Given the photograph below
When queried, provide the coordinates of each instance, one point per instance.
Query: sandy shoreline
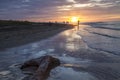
(24, 34)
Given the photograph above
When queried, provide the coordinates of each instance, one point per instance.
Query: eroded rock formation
(39, 69)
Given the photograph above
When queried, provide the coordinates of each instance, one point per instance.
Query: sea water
(103, 36)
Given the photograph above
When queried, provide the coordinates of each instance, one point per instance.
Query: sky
(60, 10)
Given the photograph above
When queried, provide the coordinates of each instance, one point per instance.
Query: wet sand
(78, 61)
(17, 35)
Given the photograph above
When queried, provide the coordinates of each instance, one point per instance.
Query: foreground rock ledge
(39, 69)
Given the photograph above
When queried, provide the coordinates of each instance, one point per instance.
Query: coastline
(24, 34)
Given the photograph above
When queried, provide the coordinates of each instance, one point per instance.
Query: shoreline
(25, 34)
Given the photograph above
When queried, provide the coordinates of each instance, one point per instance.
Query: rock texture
(39, 69)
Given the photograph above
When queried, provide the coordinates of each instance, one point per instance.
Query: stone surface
(39, 68)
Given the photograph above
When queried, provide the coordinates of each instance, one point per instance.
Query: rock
(40, 67)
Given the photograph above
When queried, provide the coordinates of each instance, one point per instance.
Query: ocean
(102, 36)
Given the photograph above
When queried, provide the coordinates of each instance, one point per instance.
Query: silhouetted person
(78, 25)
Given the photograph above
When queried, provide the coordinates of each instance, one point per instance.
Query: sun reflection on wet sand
(70, 74)
(73, 41)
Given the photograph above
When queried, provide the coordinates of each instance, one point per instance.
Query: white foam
(50, 50)
(3, 73)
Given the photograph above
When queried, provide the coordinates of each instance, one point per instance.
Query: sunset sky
(60, 10)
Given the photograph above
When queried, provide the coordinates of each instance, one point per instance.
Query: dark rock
(40, 68)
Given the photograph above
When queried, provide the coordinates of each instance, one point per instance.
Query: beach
(81, 53)
(13, 34)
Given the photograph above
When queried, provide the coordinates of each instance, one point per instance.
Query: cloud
(71, 1)
(48, 9)
(26, 0)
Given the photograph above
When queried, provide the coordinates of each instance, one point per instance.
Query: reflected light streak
(71, 65)
(72, 41)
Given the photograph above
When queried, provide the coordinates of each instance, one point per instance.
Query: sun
(74, 19)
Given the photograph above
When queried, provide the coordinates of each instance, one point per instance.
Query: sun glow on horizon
(74, 19)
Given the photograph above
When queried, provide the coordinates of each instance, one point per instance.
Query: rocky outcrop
(39, 69)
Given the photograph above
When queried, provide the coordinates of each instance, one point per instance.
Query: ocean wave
(105, 50)
(104, 35)
(103, 32)
(101, 39)
(105, 25)
(118, 29)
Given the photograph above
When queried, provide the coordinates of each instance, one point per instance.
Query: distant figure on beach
(78, 25)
